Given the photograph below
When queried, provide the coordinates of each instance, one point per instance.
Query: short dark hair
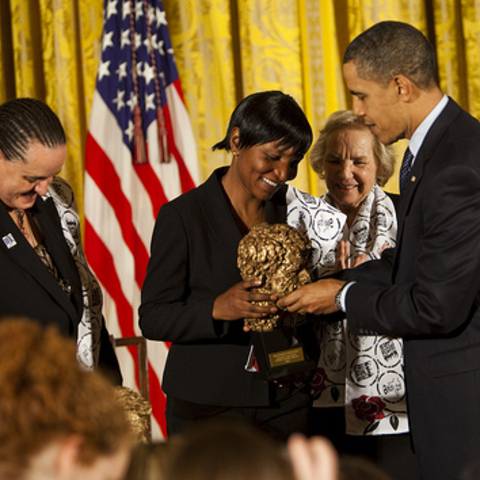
(394, 48)
(269, 116)
(23, 120)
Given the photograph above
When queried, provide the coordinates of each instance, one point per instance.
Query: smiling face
(380, 106)
(262, 169)
(22, 181)
(350, 168)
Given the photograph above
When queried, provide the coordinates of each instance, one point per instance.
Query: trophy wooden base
(280, 354)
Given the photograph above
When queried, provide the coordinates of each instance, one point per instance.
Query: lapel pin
(9, 241)
(414, 178)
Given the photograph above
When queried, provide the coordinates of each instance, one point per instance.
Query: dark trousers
(392, 453)
(287, 414)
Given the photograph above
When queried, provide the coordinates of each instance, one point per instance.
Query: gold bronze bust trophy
(277, 255)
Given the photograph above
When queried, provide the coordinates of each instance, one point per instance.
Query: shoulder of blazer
(209, 192)
(448, 117)
(207, 204)
(206, 207)
(442, 137)
(26, 258)
(454, 128)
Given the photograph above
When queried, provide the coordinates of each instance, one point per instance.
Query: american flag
(140, 153)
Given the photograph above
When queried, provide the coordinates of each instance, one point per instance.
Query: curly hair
(138, 411)
(345, 120)
(45, 396)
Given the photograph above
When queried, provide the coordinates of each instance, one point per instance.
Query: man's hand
(316, 298)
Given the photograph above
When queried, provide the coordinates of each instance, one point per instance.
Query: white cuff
(342, 296)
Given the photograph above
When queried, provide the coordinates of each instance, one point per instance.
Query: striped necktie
(405, 169)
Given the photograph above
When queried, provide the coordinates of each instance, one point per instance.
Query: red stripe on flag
(101, 261)
(152, 185)
(186, 181)
(178, 87)
(102, 172)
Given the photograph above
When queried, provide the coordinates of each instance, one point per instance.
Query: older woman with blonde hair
(359, 387)
(374, 162)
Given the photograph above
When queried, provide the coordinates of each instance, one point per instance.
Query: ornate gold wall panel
(470, 41)
(271, 56)
(202, 39)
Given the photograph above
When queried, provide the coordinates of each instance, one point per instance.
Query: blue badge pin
(9, 241)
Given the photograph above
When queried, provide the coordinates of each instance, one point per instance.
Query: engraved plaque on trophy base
(280, 354)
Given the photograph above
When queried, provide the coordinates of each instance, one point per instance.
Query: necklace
(20, 214)
(27, 226)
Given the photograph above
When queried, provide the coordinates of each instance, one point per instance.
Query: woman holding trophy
(194, 296)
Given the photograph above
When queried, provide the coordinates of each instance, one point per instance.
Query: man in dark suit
(427, 289)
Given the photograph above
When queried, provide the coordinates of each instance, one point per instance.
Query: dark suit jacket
(28, 289)
(427, 291)
(26, 286)
(193, 260)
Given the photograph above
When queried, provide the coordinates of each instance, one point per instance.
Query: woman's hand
(236, 302)
(341, 257)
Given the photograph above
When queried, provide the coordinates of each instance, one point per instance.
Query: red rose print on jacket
(368, 408)
(318, 381)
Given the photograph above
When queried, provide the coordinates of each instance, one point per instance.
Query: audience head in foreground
(57, 421)
(217, 449)
(148, 460)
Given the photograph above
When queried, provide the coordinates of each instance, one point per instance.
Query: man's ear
(68, 456)
(234, 139)
(403, 87)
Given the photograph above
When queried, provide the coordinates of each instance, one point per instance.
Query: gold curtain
(226, 49)
(49, 51)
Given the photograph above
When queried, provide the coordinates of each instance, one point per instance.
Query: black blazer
(427, 290)
(193, 260)
(27, 288)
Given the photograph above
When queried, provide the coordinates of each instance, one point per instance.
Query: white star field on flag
(115, 80)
